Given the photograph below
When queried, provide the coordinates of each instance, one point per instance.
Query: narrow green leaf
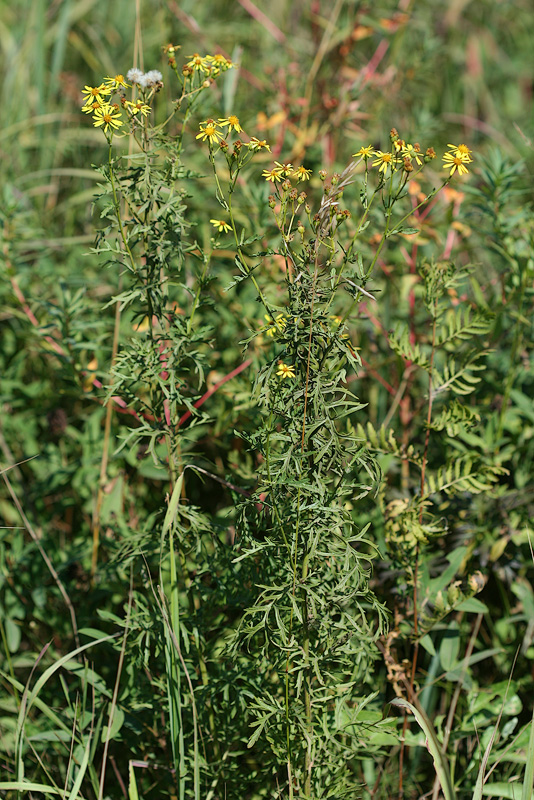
(440, 762)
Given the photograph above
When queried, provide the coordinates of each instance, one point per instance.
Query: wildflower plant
(302, 640)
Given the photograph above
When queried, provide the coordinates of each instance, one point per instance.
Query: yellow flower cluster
(107, 115)
(213, 131)
(405, 154)
(281, 171)
(402, 153)
(210, 66)
(97, 102)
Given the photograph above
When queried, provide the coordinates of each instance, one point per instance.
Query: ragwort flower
(137, 108)
(285, 370)
(114, 83)
(364, 152)
(208, 130)
(302, 174)
(274, 175)
(461, 151)
(277, 324)
(413, 152)
(232, 122)
(95, 94)
(107, 116)
(383, 161)
(199, 63)
(456, 163)
(221, 225)
(258, 144)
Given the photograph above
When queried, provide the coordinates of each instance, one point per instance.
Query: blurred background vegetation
(318, 80)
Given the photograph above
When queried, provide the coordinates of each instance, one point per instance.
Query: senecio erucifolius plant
(298, 621)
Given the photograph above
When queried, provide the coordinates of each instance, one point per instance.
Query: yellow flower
(258, 144)
(272, 175)
(208, 130)
(455, 163)
(107, 115)
(221, 225)
(411, 151)
(220, 61)
(95, 94)
(284, 169)
(137, 107)
(114, 83)
(461, 151)
(277, 324)
(364, 152)
(384, 160)
(199, 63)
(285, 370)
(302, 173)
(232, 122)
(90, 108)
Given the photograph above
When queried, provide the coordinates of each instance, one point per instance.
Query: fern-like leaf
(462, 475)
(462, 325)
(383, 441)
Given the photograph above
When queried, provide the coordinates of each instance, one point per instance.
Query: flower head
(285, 370)
(455, 163)
(383, 161)
(208, 130)
(152, 77)
(114, 83)
(364, 152)
(137, 108)
(107, 116)
(221, 225)
(95, 94)
(277, 324)
(284, 169)
(232, 122)
(302, 174)
(199, 63)
(220, 62)
(90, 108)
(461, 151)
(258, 144)
(274, 175)
(412, 152)
(134, 74)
